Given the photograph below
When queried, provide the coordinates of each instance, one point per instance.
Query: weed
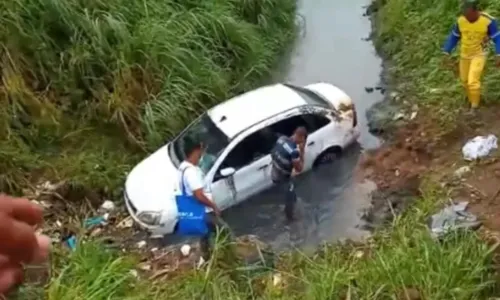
(98, 83)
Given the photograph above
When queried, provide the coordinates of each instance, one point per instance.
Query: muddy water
(332, 49)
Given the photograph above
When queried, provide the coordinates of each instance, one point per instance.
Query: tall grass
(412, 34)
(401, 261)
(128, 74)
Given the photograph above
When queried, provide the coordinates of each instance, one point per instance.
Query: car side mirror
(226, 172)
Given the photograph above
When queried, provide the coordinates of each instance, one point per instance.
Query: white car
(238, 135)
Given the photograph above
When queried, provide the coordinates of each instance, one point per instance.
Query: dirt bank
(423, 150)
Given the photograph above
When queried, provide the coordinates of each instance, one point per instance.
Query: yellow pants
(471, 70)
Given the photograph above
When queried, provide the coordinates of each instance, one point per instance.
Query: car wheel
(328, 156)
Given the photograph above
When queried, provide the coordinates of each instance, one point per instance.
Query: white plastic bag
(479, 147)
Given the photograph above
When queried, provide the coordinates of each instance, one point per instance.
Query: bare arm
(298, 163)
(200, 196)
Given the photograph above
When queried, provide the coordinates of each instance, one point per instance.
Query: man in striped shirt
(288, 158)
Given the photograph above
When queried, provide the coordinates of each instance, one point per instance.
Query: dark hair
(190, 145)
(472, 4)
(301, 131)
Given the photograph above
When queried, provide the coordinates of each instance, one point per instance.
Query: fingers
(21, 209)
(42, 252)
(11, 274)
(19, 241)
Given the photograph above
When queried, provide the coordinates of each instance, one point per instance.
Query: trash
(95, 221)
(399, 116)
(462, 171)
(141, 244)
(70, 241)
(479, 147)
(277, 279)
(134, 273)
(185, 249)
(451, 218)
(108, 205)
(200, 263)
(126, 223)
(145, 266)
(413, 115)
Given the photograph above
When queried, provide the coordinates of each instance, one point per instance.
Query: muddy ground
(421, 149)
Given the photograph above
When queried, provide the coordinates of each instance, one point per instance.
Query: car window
(309, 96)
(250, 149)
(315, 121)
(205, 131)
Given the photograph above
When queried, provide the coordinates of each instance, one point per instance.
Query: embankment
(90, 87)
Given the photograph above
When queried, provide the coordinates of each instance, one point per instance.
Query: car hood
(151, 185)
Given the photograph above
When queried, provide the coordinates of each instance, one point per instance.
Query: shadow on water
(331, 48)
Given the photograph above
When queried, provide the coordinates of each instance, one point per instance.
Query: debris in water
(479, 147)
(399, 116)
(185, 250)
(451, 218)
(108, 205)
(394, 96)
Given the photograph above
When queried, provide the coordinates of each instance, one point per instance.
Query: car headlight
(149, 217)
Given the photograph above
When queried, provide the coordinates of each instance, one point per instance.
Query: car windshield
(205, 131)
(309, 96)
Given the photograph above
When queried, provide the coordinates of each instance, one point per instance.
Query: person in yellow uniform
(473, 29)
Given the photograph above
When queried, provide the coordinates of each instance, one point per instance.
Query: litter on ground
(451, 218)
(479, 147)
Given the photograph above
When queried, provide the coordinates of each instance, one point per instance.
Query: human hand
(216, 210)
(19, 242)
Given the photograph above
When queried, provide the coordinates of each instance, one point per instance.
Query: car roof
(245, 110)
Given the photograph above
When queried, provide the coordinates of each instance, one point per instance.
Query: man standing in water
(473, 29)
(288, 158)
(193, 198)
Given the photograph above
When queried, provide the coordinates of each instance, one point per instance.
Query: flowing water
(333, 49)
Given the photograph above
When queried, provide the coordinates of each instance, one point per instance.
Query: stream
(332, 48)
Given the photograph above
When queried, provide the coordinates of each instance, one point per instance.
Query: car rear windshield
(309, 96)
(205, 131)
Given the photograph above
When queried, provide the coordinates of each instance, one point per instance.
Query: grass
(397, 263)
(412, 35)
(89, 87)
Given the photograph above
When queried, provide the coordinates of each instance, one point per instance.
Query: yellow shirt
(473, 36)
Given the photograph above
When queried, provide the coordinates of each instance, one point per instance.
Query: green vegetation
(89, 86)
(412, 34)
(401, 260)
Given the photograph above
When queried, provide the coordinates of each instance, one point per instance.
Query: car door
(317, 127)
(313, 144)
(251, 160)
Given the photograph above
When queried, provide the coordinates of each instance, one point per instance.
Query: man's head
(300, 135)
(192, 150)
(471, 10)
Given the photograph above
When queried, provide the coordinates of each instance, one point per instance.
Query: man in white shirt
(192, 176)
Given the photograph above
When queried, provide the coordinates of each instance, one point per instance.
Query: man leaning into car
(287, 159)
